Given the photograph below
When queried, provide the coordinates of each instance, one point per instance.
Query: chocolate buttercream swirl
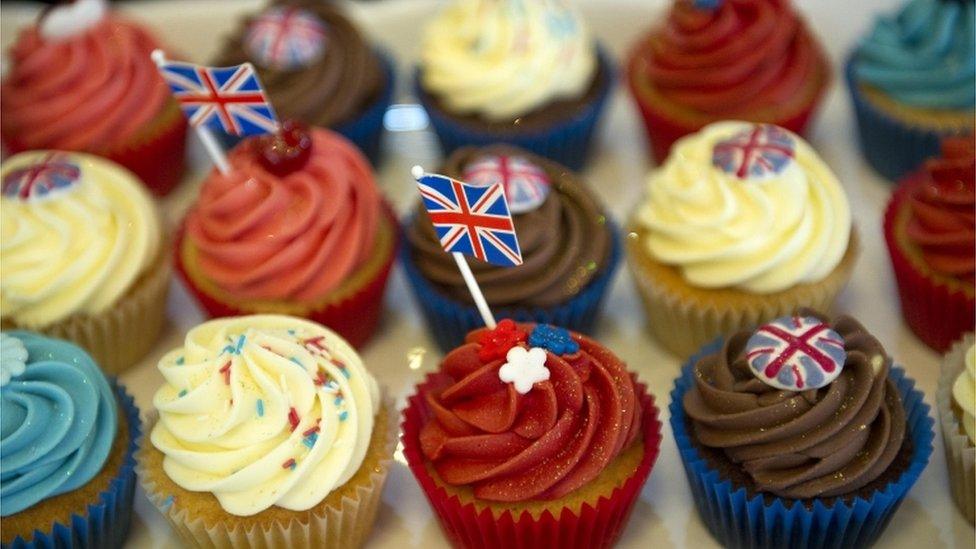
(817, 443)
(335, 87)
(565, 242)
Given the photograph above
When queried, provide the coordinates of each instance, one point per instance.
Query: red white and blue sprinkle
(260, 407)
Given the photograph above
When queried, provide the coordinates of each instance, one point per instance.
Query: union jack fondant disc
(757, 153)
(50, 175)
(796, 353)
(526, 185)
(285, 38)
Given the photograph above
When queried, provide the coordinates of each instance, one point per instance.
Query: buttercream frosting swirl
(333, 88)
(501, 59)
(58, 420)
(263, 411)
(296, 237)
(540, 445)
(815, 443)
(964, 394)
(760, 235)
(77, 250)
(565, 241)
(943, 221)
(924, 55)
(84, 92)
(731, 61)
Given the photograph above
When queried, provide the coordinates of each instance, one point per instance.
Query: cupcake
(69, 436)
(270, 432)
(569, 246)
(956, 400)
(81, 80)
(709, 61)
(297, 227)
(800, 429)
(523, 72)
(317, 68)
(83, 255)
(930, 230)
(911, 81)
(741, 224)
(528, 434)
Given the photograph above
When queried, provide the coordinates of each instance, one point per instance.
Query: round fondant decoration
(760, 152)
(51, 175)
(71, 18)
(796, 353)
(285, 38)
(13, 358)
(526, 185)
(524, 368)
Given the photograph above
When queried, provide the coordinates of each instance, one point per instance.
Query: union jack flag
(796, 353)
(285, 38)
(472, 220)
(228, 99)
(526, 185)
(51, 173)
(761, 151)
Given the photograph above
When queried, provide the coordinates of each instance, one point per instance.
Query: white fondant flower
(524, 368)
(13, 358)
(67, 20)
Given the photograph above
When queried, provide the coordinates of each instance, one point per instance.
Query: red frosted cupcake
(712, 60)
(531, 436)
(931, 233)
(297, 227)
(81, 80)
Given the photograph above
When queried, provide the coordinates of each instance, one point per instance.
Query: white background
(664, 516)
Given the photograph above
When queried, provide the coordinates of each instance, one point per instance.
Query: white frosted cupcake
(956, 400)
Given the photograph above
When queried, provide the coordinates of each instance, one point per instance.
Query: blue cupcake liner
(449, 320)
(892, 147)
(107, 523)
(567, 142)
(737, 520)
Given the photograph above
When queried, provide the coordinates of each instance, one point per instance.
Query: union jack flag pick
(469, 219)
(228, 99)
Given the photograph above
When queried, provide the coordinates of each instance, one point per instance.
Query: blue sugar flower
(556, 340)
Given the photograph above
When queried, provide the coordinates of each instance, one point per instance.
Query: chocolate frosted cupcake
(569, 248)
(318, 68)
(802, 425)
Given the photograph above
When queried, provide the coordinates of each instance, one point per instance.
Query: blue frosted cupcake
(68, 439)
(527, 73)
(911, 81)
(800, 432)
(570, 249)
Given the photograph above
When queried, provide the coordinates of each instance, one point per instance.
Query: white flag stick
(209, 142)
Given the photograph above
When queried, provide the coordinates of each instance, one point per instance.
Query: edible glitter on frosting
(526, 185)
(285, 37)
(796, 353)
(756, 153)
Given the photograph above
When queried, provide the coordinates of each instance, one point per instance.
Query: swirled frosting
(815, 443)
(565, 242)
(59, 420)
(501, 59)
(923, 56)
(85, 92)
(259, 235)
(263, 411)
(543, 444)
(758, 235)
(731, 61)
(964, 394)
(76, 250)
(943, 222)
(334, 87)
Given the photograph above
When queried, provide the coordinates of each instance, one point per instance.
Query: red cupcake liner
(355, 317)
(938, 314)
(597, 525)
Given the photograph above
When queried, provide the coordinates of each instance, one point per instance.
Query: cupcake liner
(892, 147)
(122, 334)
(366, 130)
(737, 519)
(449, 320)
(568, 142)
(106, 523)
(682, 318)
(937, 313)
(354, 316)
(341, 524)
(597, 524)
(960, 452)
